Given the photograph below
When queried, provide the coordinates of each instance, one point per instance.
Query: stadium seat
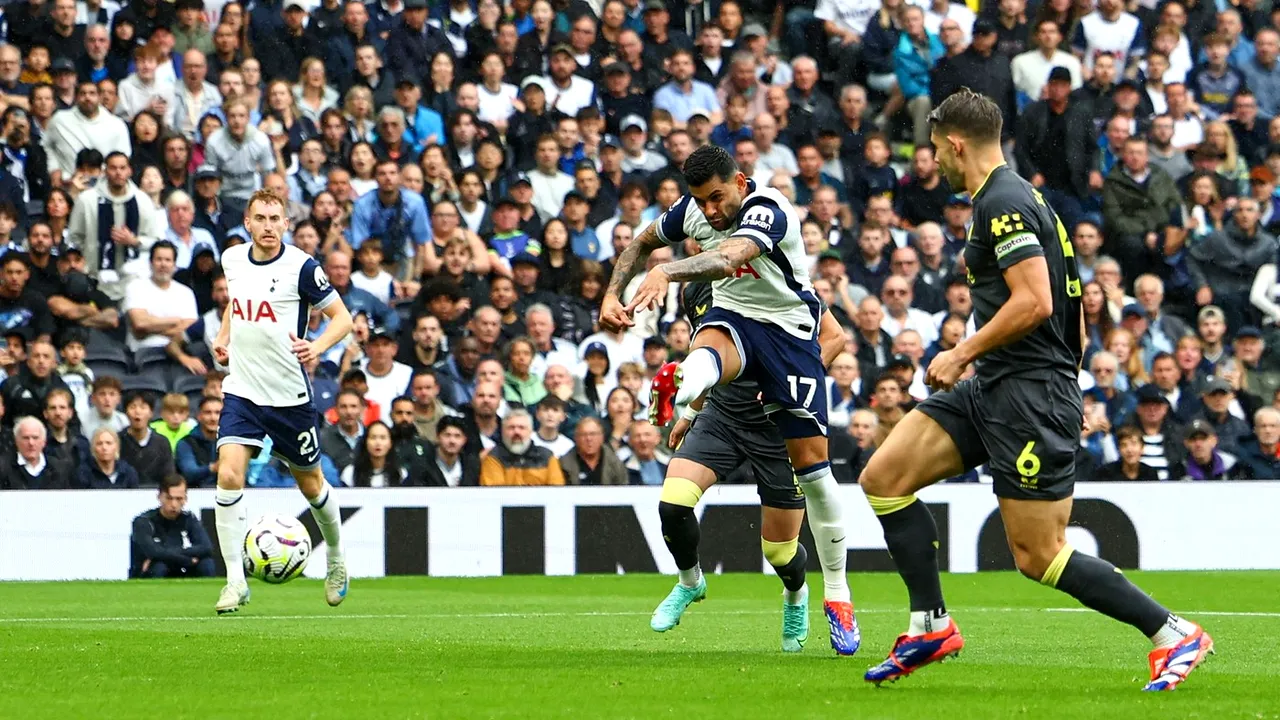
(148, 357)
(99, 340)
(192, 386)
(153, 382)
(105, 359)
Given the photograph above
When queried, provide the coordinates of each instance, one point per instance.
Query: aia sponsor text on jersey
(252, 310)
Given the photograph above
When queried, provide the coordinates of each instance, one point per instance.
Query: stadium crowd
(466, 171)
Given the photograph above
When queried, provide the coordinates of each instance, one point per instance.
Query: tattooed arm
(613, 316)
(714, 264)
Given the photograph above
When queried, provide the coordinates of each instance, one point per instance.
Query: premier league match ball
(276, 549)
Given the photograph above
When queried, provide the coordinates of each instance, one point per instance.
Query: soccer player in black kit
(1020, 414)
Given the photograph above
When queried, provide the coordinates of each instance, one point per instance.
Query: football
(276, 549)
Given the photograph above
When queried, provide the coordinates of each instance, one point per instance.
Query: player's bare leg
(328, 515)
(232, 523)
(681, 490)
(826, 521)
(780, 541)
(918, 453)
(1037, 534)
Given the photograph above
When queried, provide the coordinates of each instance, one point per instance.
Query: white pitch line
(536, 615)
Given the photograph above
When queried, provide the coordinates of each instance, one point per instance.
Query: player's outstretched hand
(678, 432)
(945, 370)
(221, 354)
(651, 292)
(305, 351)
(614, 317)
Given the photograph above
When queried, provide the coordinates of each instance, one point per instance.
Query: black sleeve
(201, 546)
(1012, 226)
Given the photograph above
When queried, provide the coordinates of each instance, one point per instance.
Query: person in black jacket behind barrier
(168, 541)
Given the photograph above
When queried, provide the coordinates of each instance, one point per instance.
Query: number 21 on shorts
(808, 384)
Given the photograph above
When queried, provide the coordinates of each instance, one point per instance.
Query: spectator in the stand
(454, 466)
(1162, 448)
(981, 68)
(31, 467)
(1262, 72)
(107, 468)
(62, 441)
(1204, 460)
(25, 392)
(146, 298)
(899, 314)
(168, 541)
(887, 405)
(645, 461)
(917, 53)
(22, 306)
(1119, 404)
(1162, 152)
(376, 463)
(196, 455)
(518, 460)
(1185, 403)
(84, 126)
(140, 447)
(414, 452)
(550, 415)
(115, 224)
(282, 55)
(1259, 454)
(1223, 264)
(240, 153)
(1137, 200)
(194, 96)
(1054, 135)
(1130, 466)
(1033, 69)
(105, 401)
(1218, 396)
(337, 266)
(592, 461)
(339, 440)
(413, 43)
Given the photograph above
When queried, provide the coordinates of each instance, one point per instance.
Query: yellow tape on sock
(1056, 567)
(887, 505)
(779, 553)
(679, 491)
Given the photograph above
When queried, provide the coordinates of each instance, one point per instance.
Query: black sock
(912, 537)
(1098, 585)
(792, 574)
(680, 532)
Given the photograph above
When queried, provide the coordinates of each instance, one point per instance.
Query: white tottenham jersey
(772, 288)
(269, 300)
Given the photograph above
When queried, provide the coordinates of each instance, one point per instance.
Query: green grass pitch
(581, 647)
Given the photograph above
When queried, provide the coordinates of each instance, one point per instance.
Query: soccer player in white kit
(763, 326)
(273, 287)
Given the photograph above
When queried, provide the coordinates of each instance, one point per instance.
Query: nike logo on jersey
(252, 311)
(837, 541)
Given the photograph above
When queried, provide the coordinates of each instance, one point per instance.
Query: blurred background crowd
(467, 170)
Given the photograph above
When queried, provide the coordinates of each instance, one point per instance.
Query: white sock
(699, 372)
(927, 621)
(1174, 631)
(826, 522)
(324, 508)
(691, 577)
(799, 597)
(233, 524)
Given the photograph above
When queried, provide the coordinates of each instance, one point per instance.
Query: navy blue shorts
(789, 371)
(294, 435)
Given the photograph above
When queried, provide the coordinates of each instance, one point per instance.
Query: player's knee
(229, 478)
(672, 515)
(1032, 558)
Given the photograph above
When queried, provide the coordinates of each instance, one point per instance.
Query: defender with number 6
(1020, 414)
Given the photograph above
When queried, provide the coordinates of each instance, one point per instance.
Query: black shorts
(725, 447)
(1025, 429)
